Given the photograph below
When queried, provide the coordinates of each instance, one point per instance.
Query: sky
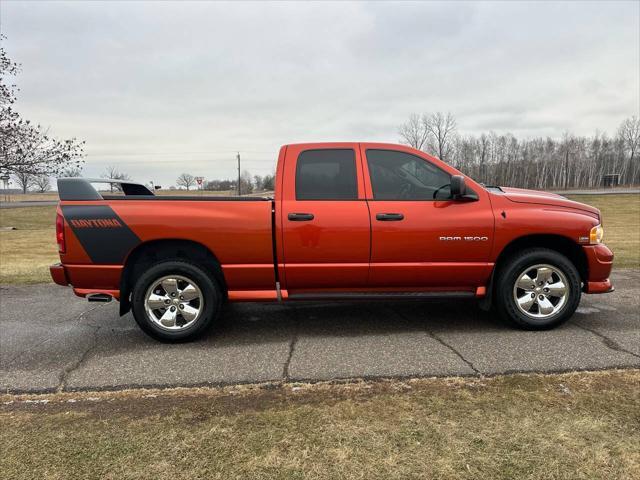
(157, 89)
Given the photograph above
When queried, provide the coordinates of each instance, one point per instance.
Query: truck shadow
(256, 324)
(259, 323)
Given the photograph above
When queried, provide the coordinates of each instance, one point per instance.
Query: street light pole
(239, 191)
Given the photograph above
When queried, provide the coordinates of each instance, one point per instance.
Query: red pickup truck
(348, 221)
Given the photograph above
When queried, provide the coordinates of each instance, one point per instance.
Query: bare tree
(112, 172)
(414, 132)
(258, 182)
(442, 129)
(71, 172)
(629, 132)
(186, 180)
(246, 182)
(43, 183)
(27, 148)
(24, 180)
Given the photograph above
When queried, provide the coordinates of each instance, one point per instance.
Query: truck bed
(107, 230)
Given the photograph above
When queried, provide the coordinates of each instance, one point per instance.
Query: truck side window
(326, 175)
(401, 176)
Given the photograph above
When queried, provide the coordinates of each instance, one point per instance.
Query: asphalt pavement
(51, 340)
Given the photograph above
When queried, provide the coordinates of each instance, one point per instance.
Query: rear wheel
(538, 289)
(176, 301)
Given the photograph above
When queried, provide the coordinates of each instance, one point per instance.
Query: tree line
(571, 161)
(248, 183)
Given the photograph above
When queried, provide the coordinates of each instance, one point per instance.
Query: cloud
(158, 88)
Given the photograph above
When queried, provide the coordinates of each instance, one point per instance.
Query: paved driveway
(51, 340)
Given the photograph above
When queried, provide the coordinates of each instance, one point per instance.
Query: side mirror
(459, 189)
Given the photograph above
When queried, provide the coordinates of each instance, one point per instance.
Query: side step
(99, 297)
(380, 295)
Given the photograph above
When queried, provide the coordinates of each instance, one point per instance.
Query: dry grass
(621, 221)
(571, 426)
(26, 253)
(30, 197)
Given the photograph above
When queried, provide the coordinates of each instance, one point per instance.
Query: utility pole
(238, 157)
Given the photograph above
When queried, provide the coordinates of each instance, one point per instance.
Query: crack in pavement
(608, 342)
(445, 344)
(442, 342)
(66, 371)
(292, 347)
(76, 319)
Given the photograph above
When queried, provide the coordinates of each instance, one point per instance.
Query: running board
(380, 295)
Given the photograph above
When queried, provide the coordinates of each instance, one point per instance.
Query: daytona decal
(104, 236)
(96, 223)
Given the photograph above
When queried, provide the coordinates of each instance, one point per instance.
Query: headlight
(596, 235)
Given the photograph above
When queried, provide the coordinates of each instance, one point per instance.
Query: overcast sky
(161, 88)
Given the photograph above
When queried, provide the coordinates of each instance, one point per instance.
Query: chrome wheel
(173, 302)
(541, 291)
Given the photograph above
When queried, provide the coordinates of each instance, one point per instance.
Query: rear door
(419, 237)
(324, 217)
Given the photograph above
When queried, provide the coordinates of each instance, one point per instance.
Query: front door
(420, 238)
(325, 219)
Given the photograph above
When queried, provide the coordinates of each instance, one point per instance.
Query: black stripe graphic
(104, 241)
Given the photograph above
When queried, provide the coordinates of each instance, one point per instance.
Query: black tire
(204, 280)
(508, 275)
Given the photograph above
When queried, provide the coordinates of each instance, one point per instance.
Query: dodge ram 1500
(348, 221)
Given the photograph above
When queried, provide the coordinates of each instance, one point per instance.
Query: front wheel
(538, 289)
(176, 301)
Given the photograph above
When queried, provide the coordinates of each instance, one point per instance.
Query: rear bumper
(600, 262)
(88, 279)
(58, 274)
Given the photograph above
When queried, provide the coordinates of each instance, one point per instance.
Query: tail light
(60, 232)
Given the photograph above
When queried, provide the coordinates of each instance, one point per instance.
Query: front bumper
(599, 263)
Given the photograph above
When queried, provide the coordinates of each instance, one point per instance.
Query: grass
(569, 426)
(621, 221)
(26, 253)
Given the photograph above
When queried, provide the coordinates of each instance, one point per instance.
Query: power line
(212, 152)
(239, 192)
(182, 160)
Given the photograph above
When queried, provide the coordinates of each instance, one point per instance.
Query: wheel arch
(151, 252)
(559, 243)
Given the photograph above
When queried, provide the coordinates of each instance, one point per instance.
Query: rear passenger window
(326, 175)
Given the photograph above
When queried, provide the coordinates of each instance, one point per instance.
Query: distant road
(609, 191)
